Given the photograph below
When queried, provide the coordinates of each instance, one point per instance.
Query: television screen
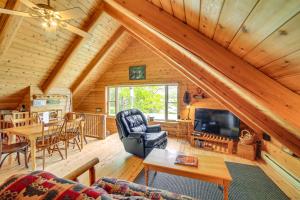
(219, 122)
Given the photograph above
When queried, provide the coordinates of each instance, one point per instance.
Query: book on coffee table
(187, 160)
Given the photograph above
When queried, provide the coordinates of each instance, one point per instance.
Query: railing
(95, 125)
(5, 124)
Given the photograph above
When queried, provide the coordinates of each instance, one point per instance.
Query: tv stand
(212, 142)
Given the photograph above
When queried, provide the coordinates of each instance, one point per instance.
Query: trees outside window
(158, 101)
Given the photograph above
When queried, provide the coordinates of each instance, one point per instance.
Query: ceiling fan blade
(29, 4)
(13, 12)
(72, 13)
(74, 29)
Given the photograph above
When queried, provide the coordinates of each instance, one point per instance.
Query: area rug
(249, 183)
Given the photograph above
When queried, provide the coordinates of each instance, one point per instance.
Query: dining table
(32, 133)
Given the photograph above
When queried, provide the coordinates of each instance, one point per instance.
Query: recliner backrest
(132, 120)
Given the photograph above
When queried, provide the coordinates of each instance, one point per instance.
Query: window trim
(141, 85)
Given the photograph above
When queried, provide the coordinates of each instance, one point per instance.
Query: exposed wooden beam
(9, 26)
(194, 80)
(72, 50)
(239, 86)
(97, 59)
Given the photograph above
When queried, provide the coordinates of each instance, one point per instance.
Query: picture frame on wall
(137, 72)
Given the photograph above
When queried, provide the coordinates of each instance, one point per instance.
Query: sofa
(137, 136)
(41, 185)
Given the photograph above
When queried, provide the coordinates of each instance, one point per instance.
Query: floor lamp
(187, 101)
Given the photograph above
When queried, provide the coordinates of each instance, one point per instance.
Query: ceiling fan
(51, 19)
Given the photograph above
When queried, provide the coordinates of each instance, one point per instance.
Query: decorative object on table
(187, 160)
(151, 119)
(200, 94)
(137, 72)
(187, 101)
(247, 137)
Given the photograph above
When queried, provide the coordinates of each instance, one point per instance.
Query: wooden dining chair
(7, 149)
(70, 133)
(50, 139)
(22, 122)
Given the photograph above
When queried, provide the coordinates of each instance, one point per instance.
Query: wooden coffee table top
(209, 167)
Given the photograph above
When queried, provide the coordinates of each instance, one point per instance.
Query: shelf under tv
(212, 142)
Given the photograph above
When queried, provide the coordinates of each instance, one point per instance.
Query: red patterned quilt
(41, 185)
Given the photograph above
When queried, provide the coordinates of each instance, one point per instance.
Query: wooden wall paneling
(209, 16)
(65, 105)
(106, 26)
(205, 103)
(284, 66)
(287, 161)
(95, 61)
(166, 5)
(282, 42)
(192, 13)
(158, 71)
(71, 51)
(157, 3)
(225, 62)
(231, 18)
(178, 9)
(9, 26)
(266, 17)
(291, 81)
(258, 115)
(83, 92)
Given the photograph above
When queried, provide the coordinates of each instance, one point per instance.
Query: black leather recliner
(139, 138)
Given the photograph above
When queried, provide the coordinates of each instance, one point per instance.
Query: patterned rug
(249, 183)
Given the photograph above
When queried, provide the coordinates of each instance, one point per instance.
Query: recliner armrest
(153, 128)
(136, 135)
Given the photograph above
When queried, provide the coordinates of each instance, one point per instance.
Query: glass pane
(150, 100)
(111, 94)
(124, 99)
(111, 108)
(172, 111)
(172, 93)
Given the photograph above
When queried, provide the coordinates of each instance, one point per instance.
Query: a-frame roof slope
(241, 87)
(244, 53)
(264, 33)
(33, 55)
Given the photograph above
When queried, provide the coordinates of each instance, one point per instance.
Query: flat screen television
(219, 122)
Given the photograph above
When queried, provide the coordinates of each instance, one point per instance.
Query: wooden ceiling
(265, 33)
(33, 54)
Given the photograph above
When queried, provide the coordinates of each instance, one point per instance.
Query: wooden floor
(115, 162)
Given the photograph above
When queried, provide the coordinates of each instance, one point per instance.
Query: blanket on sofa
(41, 185)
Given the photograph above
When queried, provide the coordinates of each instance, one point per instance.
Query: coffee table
(210, 169)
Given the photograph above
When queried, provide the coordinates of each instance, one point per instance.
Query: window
(158, 101)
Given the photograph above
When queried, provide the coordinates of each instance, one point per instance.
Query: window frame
(166, 85)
